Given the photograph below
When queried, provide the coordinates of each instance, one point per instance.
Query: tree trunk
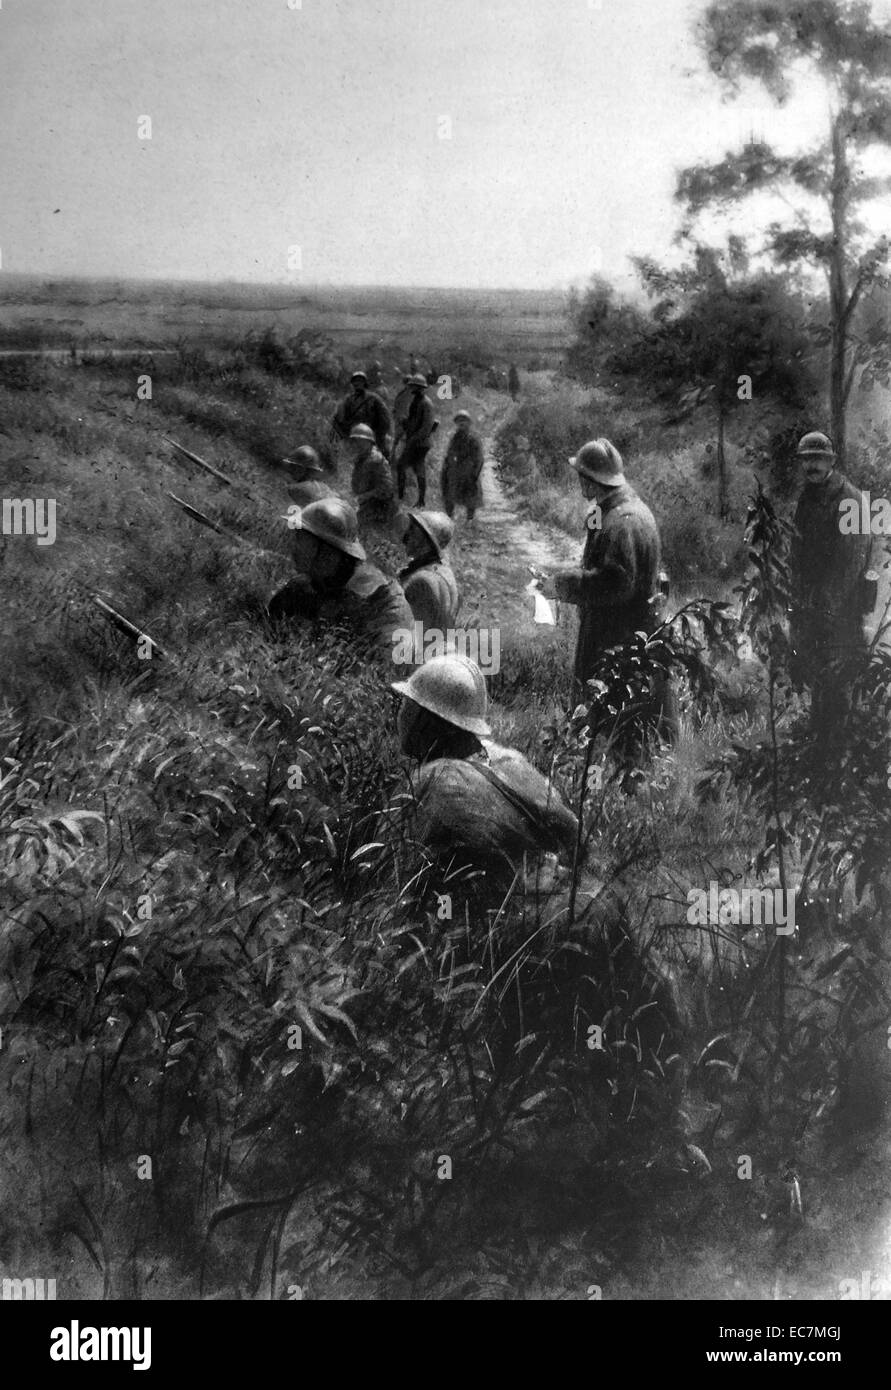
(723, 504)
(838, 293)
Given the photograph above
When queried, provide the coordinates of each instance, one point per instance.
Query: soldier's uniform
(372, 482)
(367, 409)
(432, 592)
(461, 472)
(491, 808)
(372, 606)
(616, 591)
(829, 598)
(310, 490)
(420, 424)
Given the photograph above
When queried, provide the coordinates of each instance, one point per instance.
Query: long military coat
(618, 577)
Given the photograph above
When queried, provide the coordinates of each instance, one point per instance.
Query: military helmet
(600, 461)
(362, 432)
(359, 376)
(815, 444)
(462, 415)
(437, 527)
(451, 687)
(307, 458)
(332, 521)
(418, 379)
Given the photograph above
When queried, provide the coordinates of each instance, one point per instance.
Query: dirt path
(492, 555)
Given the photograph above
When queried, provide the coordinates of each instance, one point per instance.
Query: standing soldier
(335, 583)
(616, 589)
(305, 471)
(830, 591)
(513, 382)
(371, 480)
(363, 407)
(462, 468)
(428, 580)
(420, 424)
(401, 407)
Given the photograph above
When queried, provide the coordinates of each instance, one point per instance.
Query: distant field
(493, 324)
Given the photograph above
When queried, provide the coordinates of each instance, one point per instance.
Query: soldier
(428, 580)
(335, 582)
(401, 407)
(363, 407)
(372, 480)
(513, 382)
(305, 477)
(471, 794)
(831, 592)
(462, 468)
(616, 588)
(420, 424)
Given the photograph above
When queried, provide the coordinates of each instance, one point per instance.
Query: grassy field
(481, 326)
(176, 902)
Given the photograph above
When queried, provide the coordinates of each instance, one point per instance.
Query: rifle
(194, 513)
(124, 625)
(229, 536)
(208, 467)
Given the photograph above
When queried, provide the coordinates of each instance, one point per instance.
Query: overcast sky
(321, 127)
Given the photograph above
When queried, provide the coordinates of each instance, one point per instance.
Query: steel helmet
(306, 457)
(600, 461)
(451, 687)
(362, 432)
(331, 521)
(359, 376)
(462, 415)
(815, 443)
(437, 527)
(418, 379)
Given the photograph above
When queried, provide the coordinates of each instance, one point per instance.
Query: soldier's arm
(610, 584)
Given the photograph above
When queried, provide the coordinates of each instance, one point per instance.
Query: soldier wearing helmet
(362, 407)
(305, 471)
(616, 588)
(830, 592)
(462, 468)
(428, 579)
(335, 582)
(371, 480)
(475, 801)
(417, 433)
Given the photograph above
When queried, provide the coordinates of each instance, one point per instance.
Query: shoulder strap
(513, 798)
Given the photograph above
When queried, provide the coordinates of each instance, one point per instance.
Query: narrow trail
(492, 555)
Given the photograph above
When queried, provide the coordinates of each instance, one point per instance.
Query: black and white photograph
(445, 662)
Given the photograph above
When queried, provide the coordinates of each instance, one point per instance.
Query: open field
(489, 325)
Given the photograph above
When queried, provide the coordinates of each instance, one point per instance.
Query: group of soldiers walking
(471, 794)
(378, 441)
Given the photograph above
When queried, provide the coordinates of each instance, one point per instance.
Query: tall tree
(827, 186)
(718, 338)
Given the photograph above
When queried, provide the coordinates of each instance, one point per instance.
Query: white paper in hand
(544, 609)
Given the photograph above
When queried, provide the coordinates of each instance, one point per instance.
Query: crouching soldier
(462, 468)
(428, 580)
(335, 583)
(476, 802)
(372, 480)
(617, 586)
(304, 473)
(832, 589)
